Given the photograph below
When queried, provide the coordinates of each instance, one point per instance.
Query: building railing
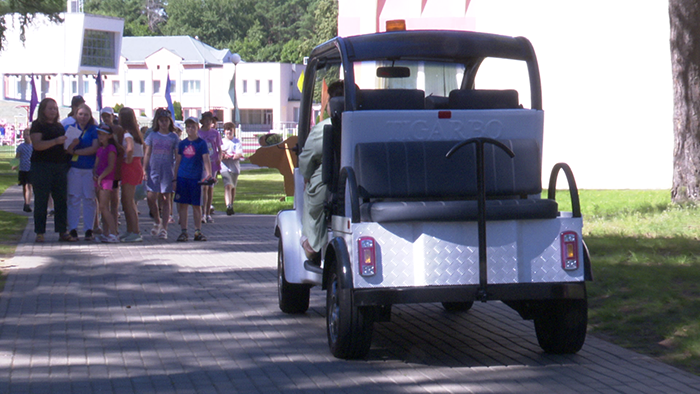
(250, 134)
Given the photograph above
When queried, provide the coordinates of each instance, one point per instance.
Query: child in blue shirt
(191, 163)
(24, 155)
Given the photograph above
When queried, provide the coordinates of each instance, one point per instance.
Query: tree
(141, 17)
(27, 10)
(685, 58)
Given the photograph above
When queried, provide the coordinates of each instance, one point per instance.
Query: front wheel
(349, 328)
(293, 298)
(561, 326)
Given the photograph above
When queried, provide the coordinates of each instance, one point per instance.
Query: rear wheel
(349, 328)
(293, 298)
(561, 326)
(458, 306)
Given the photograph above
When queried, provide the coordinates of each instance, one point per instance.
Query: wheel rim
(333, 312)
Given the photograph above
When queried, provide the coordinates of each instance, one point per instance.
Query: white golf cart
(435, 189)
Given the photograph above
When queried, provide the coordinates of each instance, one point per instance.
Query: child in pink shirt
(103, 173)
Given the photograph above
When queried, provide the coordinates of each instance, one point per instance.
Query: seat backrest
(419, 169)
(484, 99)
(369, 99)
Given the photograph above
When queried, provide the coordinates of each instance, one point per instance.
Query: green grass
(258, 191)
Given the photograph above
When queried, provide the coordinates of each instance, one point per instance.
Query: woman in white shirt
(131, 172)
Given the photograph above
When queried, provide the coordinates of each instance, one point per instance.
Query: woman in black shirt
(49, 170)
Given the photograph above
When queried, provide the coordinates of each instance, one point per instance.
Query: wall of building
(606, 76)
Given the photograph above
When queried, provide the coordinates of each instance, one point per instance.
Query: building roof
(137, 49)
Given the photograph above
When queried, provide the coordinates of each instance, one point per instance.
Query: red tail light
(569, 251)
(366, 247)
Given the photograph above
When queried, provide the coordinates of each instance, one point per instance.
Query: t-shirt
(191, 163)
(103, 154)
(213, 140)
(138, 148)
(49, 131)
(231, 147)
(85, 141)
(24, 151)
(163, 148)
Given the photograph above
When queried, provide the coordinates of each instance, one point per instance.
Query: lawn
(645, 253)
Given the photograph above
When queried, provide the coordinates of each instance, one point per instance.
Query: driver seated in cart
(314, 231)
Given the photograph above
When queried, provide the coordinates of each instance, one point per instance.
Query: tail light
(569, 251)
(366, 247)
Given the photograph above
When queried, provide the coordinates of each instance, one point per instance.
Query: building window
(74, 87)
(245, 86)
(142, 87)
(86, 87)
(115, 87)
(256, 116)
(191, 86)
(98, 49)
(269, 85)
(130, 87)
(156, 87)
(257, 86)
(173, 85)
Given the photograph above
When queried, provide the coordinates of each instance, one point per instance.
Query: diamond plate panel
(437, 254)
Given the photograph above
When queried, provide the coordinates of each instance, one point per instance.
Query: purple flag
(169, 99)
(33, 101)
(98, 82)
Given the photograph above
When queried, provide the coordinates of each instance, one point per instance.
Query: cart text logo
(421, 130)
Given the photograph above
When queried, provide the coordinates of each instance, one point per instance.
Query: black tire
(561, 326)
(293, 298)
(349, 328)
(458, 306)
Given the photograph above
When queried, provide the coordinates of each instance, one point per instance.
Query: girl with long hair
(132, 172)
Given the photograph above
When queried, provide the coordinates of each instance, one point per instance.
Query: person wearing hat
(213, 139)
(107, 117)
(75, 102)
(193, 168)
(103, 174)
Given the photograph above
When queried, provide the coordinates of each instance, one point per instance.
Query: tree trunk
(685, 58)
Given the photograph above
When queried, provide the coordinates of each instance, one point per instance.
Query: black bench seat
(414, 181)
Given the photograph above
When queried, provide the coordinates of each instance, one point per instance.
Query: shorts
(108, 184)
(188, 191)
(23, 178)
(229, 178)
(132, 173)
(160, 179)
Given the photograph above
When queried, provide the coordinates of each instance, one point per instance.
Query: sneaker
(27, 208)
(123, 236)
(39, 238)
(111, 239)
(155, 230)
(74, 233)
(209, 219)
(52, 212)
(182, 237)
(163, 234)
(133, 237)
(171, 220)
(211, 210)
(66, 237)
(100, 238)
(89, 235)
(198, 236)
(229, 210)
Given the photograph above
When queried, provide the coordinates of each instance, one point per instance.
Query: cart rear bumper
(464, 293)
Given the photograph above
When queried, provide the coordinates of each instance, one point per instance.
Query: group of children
(186, 167)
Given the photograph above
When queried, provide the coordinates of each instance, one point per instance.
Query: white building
(65, 59)
(607, 85)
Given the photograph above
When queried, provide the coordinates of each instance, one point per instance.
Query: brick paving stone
(167, 317)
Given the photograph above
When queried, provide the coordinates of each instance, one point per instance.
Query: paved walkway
(167, 317)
